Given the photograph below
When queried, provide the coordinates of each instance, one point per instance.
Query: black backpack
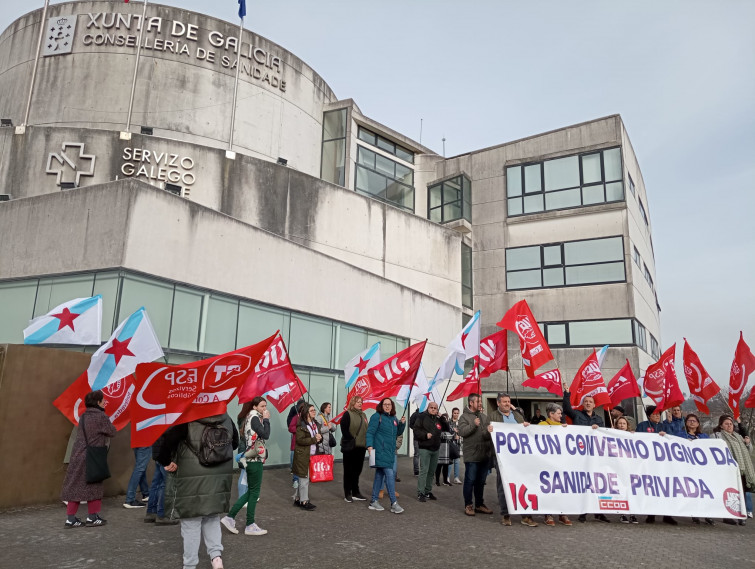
(215, 445)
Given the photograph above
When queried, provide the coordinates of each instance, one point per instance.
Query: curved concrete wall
(185, 81)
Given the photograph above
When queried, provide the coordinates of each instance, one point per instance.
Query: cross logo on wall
(59, 35)
(73, 162)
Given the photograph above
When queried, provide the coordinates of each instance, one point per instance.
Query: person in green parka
(307, 439)
(382, 432)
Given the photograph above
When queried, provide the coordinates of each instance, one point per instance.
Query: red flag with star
(623, 386)
(661, 383)
(701, 384)
(742, 366)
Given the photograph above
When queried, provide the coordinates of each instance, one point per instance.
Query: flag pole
(236, 84)
(136, 65)
(42, 28)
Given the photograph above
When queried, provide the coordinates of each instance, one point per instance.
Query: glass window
(655, 348)
(561, 173)
(16, 306)
(106, 284)
(643, 214)
(67, 288)
(466, 275)
(384, 179)
(523, 258)
(450, 200)
(524, 279)
(405, 155)
(594, 251)
(311, 341)
(592, 195)
(366, 157)
(563, 199)
(532, 181)
(385, 166)
(155, 296)
(367, 136)
(384, 144)
(533, 204)
(257, 323)
(351, 341)
(555, 334)
(514, 181)
(220, 325)
(631, 184)
(514, 206)
(636, 256)
(388, 346)
(614, 191)
(602, 273)
(591, 169)
(639, 335)
(334, 124)
(553, 277)
(600, 332)
(187, 314)
(612, 164)
(333, 158)
(552, 255)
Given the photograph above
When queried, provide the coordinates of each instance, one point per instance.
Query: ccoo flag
(78, 321)
(133, 342)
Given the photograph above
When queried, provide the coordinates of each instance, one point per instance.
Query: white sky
(481, 72)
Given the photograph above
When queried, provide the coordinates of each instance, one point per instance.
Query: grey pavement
(342, 535)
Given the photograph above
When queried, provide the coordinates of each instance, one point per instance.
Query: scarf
(736, 445)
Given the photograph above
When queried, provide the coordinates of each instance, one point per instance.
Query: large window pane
(106, 284)
(385, 165)
(556, 334)
(16, 306)
(386, 145)
(388, 346)
(591, 169)
(404, 174)
(586, 274)
(351, 342)
(514, 181)
(523, 258)
(311, 341)
(533, 204)
(515, 206)
(220, 325)
(405, 155)
(523, 279)
(594, 251)
(334, 124)
(612, 164)
(563, 199)
(366, 157)
(367, 136)
(600, 332)
(187, 314)
(257, 323)
(592, 195)
(614, 191)
(532, 179)
(561, 173)
(552, 255)
(155, 296)
(435, 195)
(452, 211)
(333, 162)
(371, 182)
(553, 277)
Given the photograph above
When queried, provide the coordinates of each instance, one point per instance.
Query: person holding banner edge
(477, 448)
(554, 413)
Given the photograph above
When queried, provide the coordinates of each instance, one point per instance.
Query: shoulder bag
(97, 469)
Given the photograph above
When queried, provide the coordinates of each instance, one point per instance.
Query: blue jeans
(385, 476)
(455, 463)
(294, 477)
(748, 501)
(142, 455)
(475, 474)
(156, 504)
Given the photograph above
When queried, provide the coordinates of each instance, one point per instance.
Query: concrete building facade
(316, 220)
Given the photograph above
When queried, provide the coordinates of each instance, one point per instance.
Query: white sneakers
(229, 523)
(375, 505)
(254, 529)
(457, 481)
(396, 509)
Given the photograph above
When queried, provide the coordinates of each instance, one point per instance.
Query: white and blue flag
(359, 364)
(78, 321)
(133, 342)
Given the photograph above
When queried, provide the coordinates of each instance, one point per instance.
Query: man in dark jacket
(427, 429)
(197, 494)
(674, 424)
(586, 418)
(415, 458)
(477, 446)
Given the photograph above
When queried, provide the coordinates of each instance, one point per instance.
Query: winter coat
(381, 436)
(326, 428)
(674, 427)
(477, 445)
(426, 424)
(302, 452)
(99, 430)
(194, 490)
(497, 417)
(580, 417)
(650, 427)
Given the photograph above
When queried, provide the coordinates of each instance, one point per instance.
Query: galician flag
(78, 321)
(422, 391)
(359, 364)
(133, 342)
(464, 346)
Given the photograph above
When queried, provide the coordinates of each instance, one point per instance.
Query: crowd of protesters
(192, 480)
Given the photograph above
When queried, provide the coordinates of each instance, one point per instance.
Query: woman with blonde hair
(353, 446)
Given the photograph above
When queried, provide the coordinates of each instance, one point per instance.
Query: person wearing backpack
(256, 433)
(199, 458)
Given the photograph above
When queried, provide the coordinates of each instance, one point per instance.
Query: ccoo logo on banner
(576, 470)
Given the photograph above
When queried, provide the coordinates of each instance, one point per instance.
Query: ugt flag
(132, 343)
(359, 364)
(169, 395)
(589, 382)
(623, 385)
(535, 350)
(286, 395)
(701, 384)
(78, 321)
(118, 395)
(550, 380)
(661, 383)
(741, 368)
(273, 370)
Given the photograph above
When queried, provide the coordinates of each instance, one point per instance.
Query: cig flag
(78, 321)
(133, 342)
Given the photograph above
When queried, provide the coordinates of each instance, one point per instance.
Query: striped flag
(360, 364)
(78, 321)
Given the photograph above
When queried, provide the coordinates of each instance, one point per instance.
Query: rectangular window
(450, 200)
(655, 348)
(384, 179)
(333, 161)
(466, 276)
(636, 257)
(573, 263)
(384, 144)
(648, 278)
(643, 214)
(590, 333)
(631, 184)
(639, 335)
(565, 183)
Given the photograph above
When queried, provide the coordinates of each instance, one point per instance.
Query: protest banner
(576, 470)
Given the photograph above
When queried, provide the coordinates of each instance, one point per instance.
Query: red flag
(535, 350)
(387, 378)
(622, 386)
(742, 366)
(701, 385)
(550, 380)
(117, 399)
(493, 354)
(169, 395)
(286, 395)
(750, 403)
(589, 382)
(470, 384)
(272, 371)
(661, 383)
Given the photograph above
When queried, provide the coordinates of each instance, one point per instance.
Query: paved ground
(340, 535)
